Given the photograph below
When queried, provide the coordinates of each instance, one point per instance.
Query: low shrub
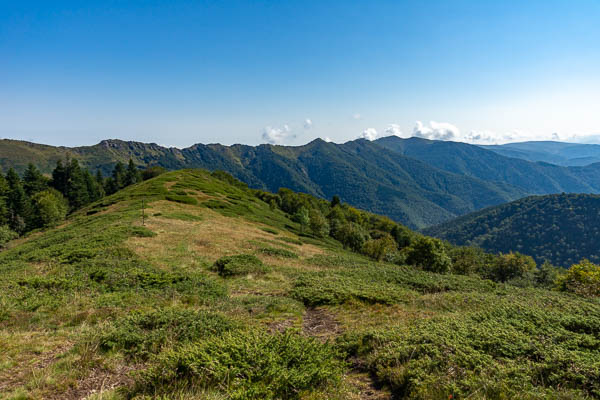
(143, 333)
(246, 365)
(241, 264)
(181, 198)
(277, 252)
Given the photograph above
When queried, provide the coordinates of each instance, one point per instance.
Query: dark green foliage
(429, 254)
(19, 204)
(516, 348)
(34, 181)
(561, 229)
(143, 333)
(6, 235)
(277, 252)
(510, 266)
(242, 264)
(182, 198)
(152, 172)
(132, 174)
(247, 365)
(49, 208)
(414, 181)
(384, 247)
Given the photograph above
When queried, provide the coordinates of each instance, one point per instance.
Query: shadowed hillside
(561, 229)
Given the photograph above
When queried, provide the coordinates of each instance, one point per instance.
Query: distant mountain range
(559, 153)
(414, 181)
(561, 228)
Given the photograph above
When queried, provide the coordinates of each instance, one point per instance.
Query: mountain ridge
(414, 181)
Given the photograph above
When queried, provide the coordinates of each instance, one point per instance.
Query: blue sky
(183, 72)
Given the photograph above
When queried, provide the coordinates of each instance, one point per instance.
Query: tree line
(382, 239)
(35, 201)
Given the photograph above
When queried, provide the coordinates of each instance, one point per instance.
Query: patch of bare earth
(322, 324)
(12, 379)
(98, 381)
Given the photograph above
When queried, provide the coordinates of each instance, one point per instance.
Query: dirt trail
(321, 324)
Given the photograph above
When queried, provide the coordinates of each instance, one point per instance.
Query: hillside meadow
(222, 294)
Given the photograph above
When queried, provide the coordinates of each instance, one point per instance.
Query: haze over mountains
(414, 181)
(560, 153)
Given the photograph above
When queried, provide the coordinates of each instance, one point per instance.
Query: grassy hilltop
(223, 295)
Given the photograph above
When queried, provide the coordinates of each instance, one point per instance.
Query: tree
(547, 275)
(4, 213)
(318, 223)
(335, 201)
(59, 177)
(50, 208)
(352, 236)
(582, 279)
(380, 248)
(118, 175)
(33, 180)
(132, 174)
(94, 189)
(18, 202)
(429, 254)
(302, 217)
(76, 188)
(511, 266)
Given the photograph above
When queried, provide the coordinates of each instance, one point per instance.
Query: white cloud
(277, 135)
(394, 129)
(436, 131)
(356, 116)
(308, 123)
(327, 139)
(369, 134)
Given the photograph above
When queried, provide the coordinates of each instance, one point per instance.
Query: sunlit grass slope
(219, 296)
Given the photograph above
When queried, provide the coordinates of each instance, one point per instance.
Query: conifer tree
(19, 204)
(33, 180)
(132, 175)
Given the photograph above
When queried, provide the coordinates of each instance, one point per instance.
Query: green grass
(86, 298)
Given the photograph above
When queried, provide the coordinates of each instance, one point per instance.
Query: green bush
(6, 235)
(247, 365)
(241, 264)
(277, 252)
(582, 279)
(181, 198)
(511, 266)
(429, 254)
(381, 248)
(143, 333)
(511, 350)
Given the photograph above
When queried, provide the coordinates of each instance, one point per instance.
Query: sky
(183, 72)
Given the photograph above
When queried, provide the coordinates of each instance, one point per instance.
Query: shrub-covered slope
(561, 229)
(228, 293)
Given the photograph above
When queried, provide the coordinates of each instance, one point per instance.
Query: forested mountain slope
(561, 229)
(414, 181)
(474, 161)
(360, 172)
